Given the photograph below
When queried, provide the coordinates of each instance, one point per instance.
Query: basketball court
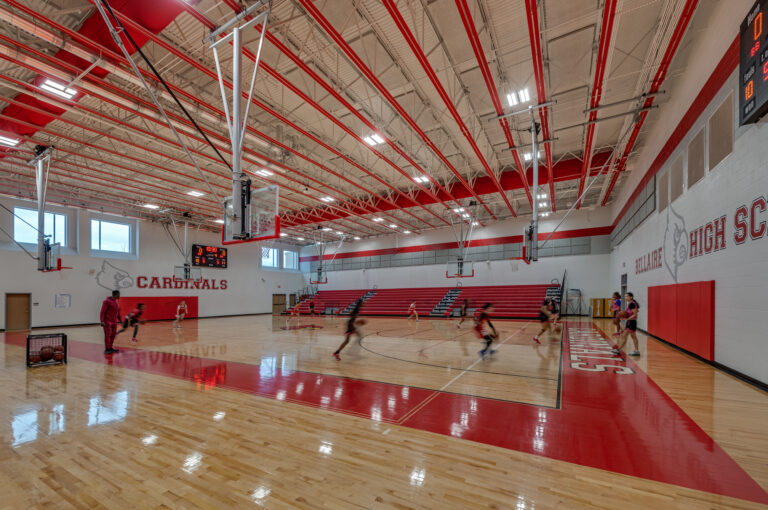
(383, 254)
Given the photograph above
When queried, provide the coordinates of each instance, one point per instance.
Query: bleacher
(332, 299)
(397, 301)
(509, 301)
(522, 301)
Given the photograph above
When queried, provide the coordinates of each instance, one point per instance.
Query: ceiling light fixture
(9, 142)
(392, 225)
(219, 221)
(421, 178)
(151, 206)
(327, 199)
(378, 220)
(465, 215)
(264, 172)
(357, 238)
(299, 238)
(340, 232)
(327, 229)
(58, 89)
(283, 234)
(373, 139)
(458, 210)
(475, 223)
(406, 231)
(195, 193)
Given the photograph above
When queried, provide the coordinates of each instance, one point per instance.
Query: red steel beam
(658, 79)
(532, 12)
(373, 79)
(290, 86)
(76, 104)
(477, 47)
(419, 53)
(101, 51)
(606, 28)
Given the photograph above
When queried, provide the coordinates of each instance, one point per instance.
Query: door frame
(29, 315)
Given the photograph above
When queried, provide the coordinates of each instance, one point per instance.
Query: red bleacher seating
(331, 299)
(397, 301)
(519, 301)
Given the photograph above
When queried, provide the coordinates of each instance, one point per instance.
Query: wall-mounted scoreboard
(753, 66)
(209, 256)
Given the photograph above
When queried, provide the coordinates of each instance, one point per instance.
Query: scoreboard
(209, 256)
(753, 65)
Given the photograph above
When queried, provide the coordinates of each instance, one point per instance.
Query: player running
(547, 314)
(352, 324)
(616, 307)
(311, 307)
(464, 311)
(412, 311)
(633, 309)
(485, 330)
(181, 311)
(133, 319)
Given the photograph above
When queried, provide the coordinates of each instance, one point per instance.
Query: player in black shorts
(312, 307)
(485, 330)
(547, 314)
(351, 328)
(464, 308)
(133, 319)
(633, 308)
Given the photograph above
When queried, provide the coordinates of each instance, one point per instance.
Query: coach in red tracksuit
(110, 318)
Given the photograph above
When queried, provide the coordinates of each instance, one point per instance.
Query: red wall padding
(158, 307)
(684, 314)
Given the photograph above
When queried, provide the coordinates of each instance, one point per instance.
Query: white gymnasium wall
(249, 288)
(588, 272)
(738, 269)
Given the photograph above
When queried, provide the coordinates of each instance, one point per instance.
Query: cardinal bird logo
(113, 278)
(675, 242)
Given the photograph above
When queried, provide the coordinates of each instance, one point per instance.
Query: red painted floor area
(612, 415)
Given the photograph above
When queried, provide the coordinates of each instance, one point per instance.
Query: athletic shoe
(107, 351)
(178, 327)
(615, 351)
(134, 339)
(458, 327)
(482, 353)
(536, 340)
(336, 356)
(493, 351)
(616, 334)
(634, 353)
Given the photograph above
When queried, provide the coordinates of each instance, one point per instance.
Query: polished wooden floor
(105, 433)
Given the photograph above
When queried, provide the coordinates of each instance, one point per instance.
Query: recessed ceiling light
(392, 225)
(195, 193)
(264, 172)
(219, 221)
(9, 142)
(373, 139)
(542, 204)
(512, 99)
(523, 95)
(406, 231)
(327, 199)
(151, 206)
(58, 89)
(378, 220)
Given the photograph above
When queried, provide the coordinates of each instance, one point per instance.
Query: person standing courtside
(110, 318)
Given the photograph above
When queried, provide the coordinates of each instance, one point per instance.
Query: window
(696, 159)
(270, 257)
(25, 226)
(110, 236)
(663, 191)
(721, 132)
(676, 179)
(290, 260)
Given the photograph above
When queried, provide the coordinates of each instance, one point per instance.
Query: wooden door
(278, 304)
(17, 312)
(293, 300)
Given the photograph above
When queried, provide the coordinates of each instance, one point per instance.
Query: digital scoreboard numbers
(753, 68)
(209, 256)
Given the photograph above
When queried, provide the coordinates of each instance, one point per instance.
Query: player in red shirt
(133, 319)
(181, 311)
(485, 330)
(412, 311)
(109, 319)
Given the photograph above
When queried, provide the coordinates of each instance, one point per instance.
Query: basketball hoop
(320, 275)
(259, 216)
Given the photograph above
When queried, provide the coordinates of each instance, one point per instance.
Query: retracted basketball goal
(321, 235)
(463, 223)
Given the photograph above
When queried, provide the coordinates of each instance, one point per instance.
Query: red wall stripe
(566, 234)
(158, 307)
(716, 80)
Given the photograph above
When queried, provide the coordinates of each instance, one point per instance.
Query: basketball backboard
(459, 269)
(262, 221)
(187, 272)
